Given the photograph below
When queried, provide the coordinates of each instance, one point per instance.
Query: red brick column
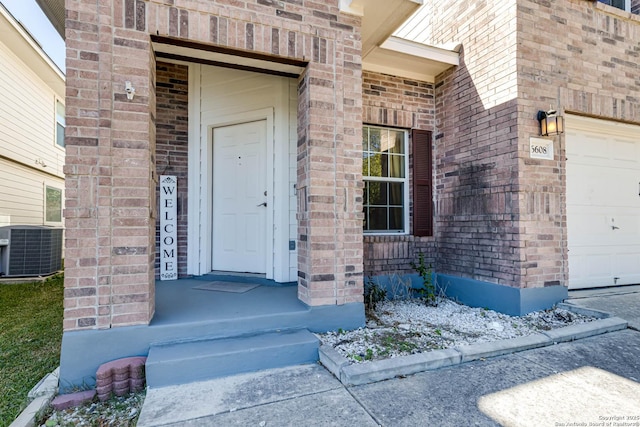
(330, 182)
(110, 188)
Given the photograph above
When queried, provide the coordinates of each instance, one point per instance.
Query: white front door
(603, 203)
(239, 197)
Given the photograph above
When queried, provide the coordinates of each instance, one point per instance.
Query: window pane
(384, 156)
(53, 202)
(377, 193)
(376, 163)
(60, 135)
(60, 113)
(374, 140)
(396, 219)
(365, 139)
(384, 165)
(398, 142)
(377, 219)
(395, 193)
(60, 123)
(620, 4)
(396, 166)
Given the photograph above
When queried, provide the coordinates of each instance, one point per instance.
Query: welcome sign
(168, 227)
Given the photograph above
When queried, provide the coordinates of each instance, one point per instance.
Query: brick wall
(590, 70)
(111, 173)
(408, 104)
(501, 215)
(109, 166)
(476, 143)
(172, 91)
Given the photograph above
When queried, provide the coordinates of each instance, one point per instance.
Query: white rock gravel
(395, 328)
(398, 328)
(118, 412)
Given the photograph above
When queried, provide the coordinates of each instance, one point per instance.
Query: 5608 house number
(540, 148)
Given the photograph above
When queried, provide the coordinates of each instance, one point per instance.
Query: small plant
(373, 294)
(400, 287)
(428, 290)
(368, 354)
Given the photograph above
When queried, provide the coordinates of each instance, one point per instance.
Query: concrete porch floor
(187, 315)
(179, 301)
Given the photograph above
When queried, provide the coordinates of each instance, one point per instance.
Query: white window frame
(46, 186)
(627, 5)
(405, 181)
(59, 120)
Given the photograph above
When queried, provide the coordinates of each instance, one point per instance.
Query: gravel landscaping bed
(394, 328)
(400, 328)
(118, 412)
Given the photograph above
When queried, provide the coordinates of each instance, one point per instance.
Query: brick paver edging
(364, 373)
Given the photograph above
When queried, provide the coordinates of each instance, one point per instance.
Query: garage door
(603, 202)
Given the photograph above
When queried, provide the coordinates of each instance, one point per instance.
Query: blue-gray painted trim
(501, 298)
(84, 351)
(477, 293)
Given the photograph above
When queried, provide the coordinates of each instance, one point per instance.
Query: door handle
(613, 227)
(263, 204)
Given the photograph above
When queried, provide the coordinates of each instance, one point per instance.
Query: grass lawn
(30, 336)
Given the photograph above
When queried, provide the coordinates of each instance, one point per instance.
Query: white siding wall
(228, 92)
(22, 194)
(27, 135)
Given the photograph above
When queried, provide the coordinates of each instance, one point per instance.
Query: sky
(33, 19)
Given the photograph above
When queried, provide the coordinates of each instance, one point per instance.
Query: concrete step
(181, 363)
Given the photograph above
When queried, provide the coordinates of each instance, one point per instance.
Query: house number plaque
(540, 148)
(168, 227)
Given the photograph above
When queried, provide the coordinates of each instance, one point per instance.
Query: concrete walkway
(592, 380)
(623, 302)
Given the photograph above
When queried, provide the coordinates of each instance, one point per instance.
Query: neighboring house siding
(29, 158)
(172, 95)
(22, 194)
(406, 104)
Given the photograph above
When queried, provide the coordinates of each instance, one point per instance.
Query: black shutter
(422, 183)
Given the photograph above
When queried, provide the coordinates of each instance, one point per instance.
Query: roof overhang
(381, 52)
(404, 58)
(20, 42)
(384, 53)
(380, 18)
(182, 50)
(55, 11)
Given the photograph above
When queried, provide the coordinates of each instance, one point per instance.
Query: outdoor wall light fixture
(129, 89)
(550, 123)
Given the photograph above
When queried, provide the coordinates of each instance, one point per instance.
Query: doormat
(237, 288)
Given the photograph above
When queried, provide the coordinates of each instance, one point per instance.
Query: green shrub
(373, 294)
(427, 292)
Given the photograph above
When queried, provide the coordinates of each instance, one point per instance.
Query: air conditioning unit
(30, 250)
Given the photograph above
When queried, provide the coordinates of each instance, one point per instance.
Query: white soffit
(394, 42)
(55, 11)
(380, 18)
(408, 59)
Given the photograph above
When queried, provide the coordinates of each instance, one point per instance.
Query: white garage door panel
(603, 203)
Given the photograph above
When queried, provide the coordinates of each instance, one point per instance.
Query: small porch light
(550, 123)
